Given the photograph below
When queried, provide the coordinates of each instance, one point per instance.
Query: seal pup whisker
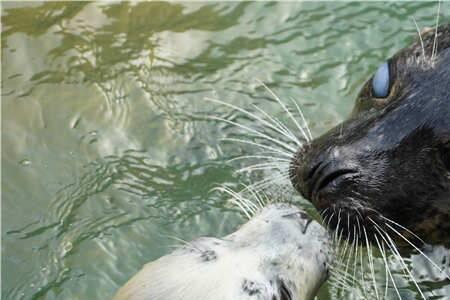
(184, 243)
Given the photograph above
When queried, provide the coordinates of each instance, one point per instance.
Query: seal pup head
(388, 165)
(280, 254)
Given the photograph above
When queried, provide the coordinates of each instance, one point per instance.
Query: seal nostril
(330, 177)
(314, 176)
(313, 170)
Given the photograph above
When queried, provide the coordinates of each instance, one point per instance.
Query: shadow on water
(103, 145)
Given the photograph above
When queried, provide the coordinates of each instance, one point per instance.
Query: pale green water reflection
(104, 152)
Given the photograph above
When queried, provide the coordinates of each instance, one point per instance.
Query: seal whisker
(238, 196)
(274, 127)
(302, 116)
(386, 269)
(261, 184)
(322, 213)
(261, 166)
(361, 250)
(417, 248)
(390, 243)
(329, 220)
(238, 200)
(281, 126)
(384, 256)
(286, 110)
(356, 252)
(256, 132)
(435, 42)
(402, 227)
(340, 280)
(336, 232)
(420, 39)
(347, 277)
(259, 156)
(324, 222)
(256, 195)
(258, 145)
(186, 244)
(350, 254)
(371, 266)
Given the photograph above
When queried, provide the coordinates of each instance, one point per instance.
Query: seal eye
(381, 81)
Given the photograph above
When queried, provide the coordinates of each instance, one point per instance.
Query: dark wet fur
(392, 156)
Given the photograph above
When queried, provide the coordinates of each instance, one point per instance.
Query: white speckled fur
(279, 244)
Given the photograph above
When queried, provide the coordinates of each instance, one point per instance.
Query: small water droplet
(67, 248)
(75, 122)
(25, 162)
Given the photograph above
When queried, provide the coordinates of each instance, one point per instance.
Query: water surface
(107, 149)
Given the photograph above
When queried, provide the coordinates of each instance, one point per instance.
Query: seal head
(389, 163)
(280, 254)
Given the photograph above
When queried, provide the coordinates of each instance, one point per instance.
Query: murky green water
(106, 150)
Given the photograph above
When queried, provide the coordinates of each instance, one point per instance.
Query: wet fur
(393, 153)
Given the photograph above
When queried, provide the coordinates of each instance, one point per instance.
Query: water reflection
(107, 146)
(115, 192)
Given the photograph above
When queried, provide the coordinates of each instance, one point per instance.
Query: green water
(107, 150)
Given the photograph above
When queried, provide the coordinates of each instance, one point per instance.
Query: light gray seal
(279, 254)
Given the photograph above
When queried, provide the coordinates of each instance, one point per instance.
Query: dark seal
(387, 168)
